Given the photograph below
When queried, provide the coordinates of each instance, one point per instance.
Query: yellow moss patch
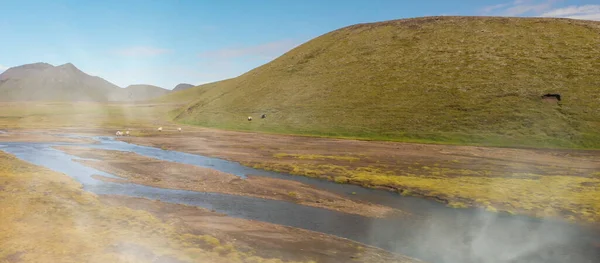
(538, 195)
(317, 157)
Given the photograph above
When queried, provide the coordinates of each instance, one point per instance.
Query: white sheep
(126, 133)
(249, 118)
(159, 129)
(119, 133)
(179, 129)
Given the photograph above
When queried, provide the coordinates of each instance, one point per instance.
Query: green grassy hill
(433, 79)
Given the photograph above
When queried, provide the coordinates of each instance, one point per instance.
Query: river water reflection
(441, 234)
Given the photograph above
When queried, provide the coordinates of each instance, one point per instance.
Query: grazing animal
(126, 133)
(179, 129)
(119, 133)
(263, 116)
(159, 129)
(249, 118)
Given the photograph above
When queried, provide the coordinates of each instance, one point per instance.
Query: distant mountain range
(144, 92)
(45, 82)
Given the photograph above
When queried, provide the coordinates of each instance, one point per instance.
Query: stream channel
(440, 235)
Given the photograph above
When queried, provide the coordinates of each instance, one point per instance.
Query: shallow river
(441, 234)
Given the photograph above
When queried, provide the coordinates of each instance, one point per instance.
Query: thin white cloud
(543, 8)
(213, 66)
(267, 50)
(520, 7)
(586, 12)
(3, 68)
(141, 51)
(525, 9)
(489, 9)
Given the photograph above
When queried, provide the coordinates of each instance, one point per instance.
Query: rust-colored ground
(153, 172)
(538, 182)
(268, 240)
(254, 147)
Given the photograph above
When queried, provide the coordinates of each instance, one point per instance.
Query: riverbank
(47, 217)
(439, 234)
(561, 184)
(85, 227)
(143, 170)
(265, 239)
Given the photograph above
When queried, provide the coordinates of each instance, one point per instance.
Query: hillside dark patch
(551, 97)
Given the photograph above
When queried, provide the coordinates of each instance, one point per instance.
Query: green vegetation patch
(574, 198)
(48, 217)
(458, 80)
(316, 157)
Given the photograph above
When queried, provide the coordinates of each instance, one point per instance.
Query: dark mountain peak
(44, 82)
(183, 86)
(69, 67)
(32, 66)
(38, 65)
(22, 71)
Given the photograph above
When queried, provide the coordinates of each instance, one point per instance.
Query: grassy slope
(47, 217)
(443, 79)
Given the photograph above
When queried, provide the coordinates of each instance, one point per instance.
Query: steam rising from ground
(481, 236)
(442, 235)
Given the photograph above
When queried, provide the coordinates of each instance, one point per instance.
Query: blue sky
(166, 42)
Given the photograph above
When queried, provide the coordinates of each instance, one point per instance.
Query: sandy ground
(268, 240)
(139, 169)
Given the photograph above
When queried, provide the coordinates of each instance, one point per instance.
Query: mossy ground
(568, 195)
(47, 217)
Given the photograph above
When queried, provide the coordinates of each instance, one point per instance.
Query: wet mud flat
(417, 169)
(47, 217)
(441, 234)
(267, 240)
(246, 146)
(138, 169)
